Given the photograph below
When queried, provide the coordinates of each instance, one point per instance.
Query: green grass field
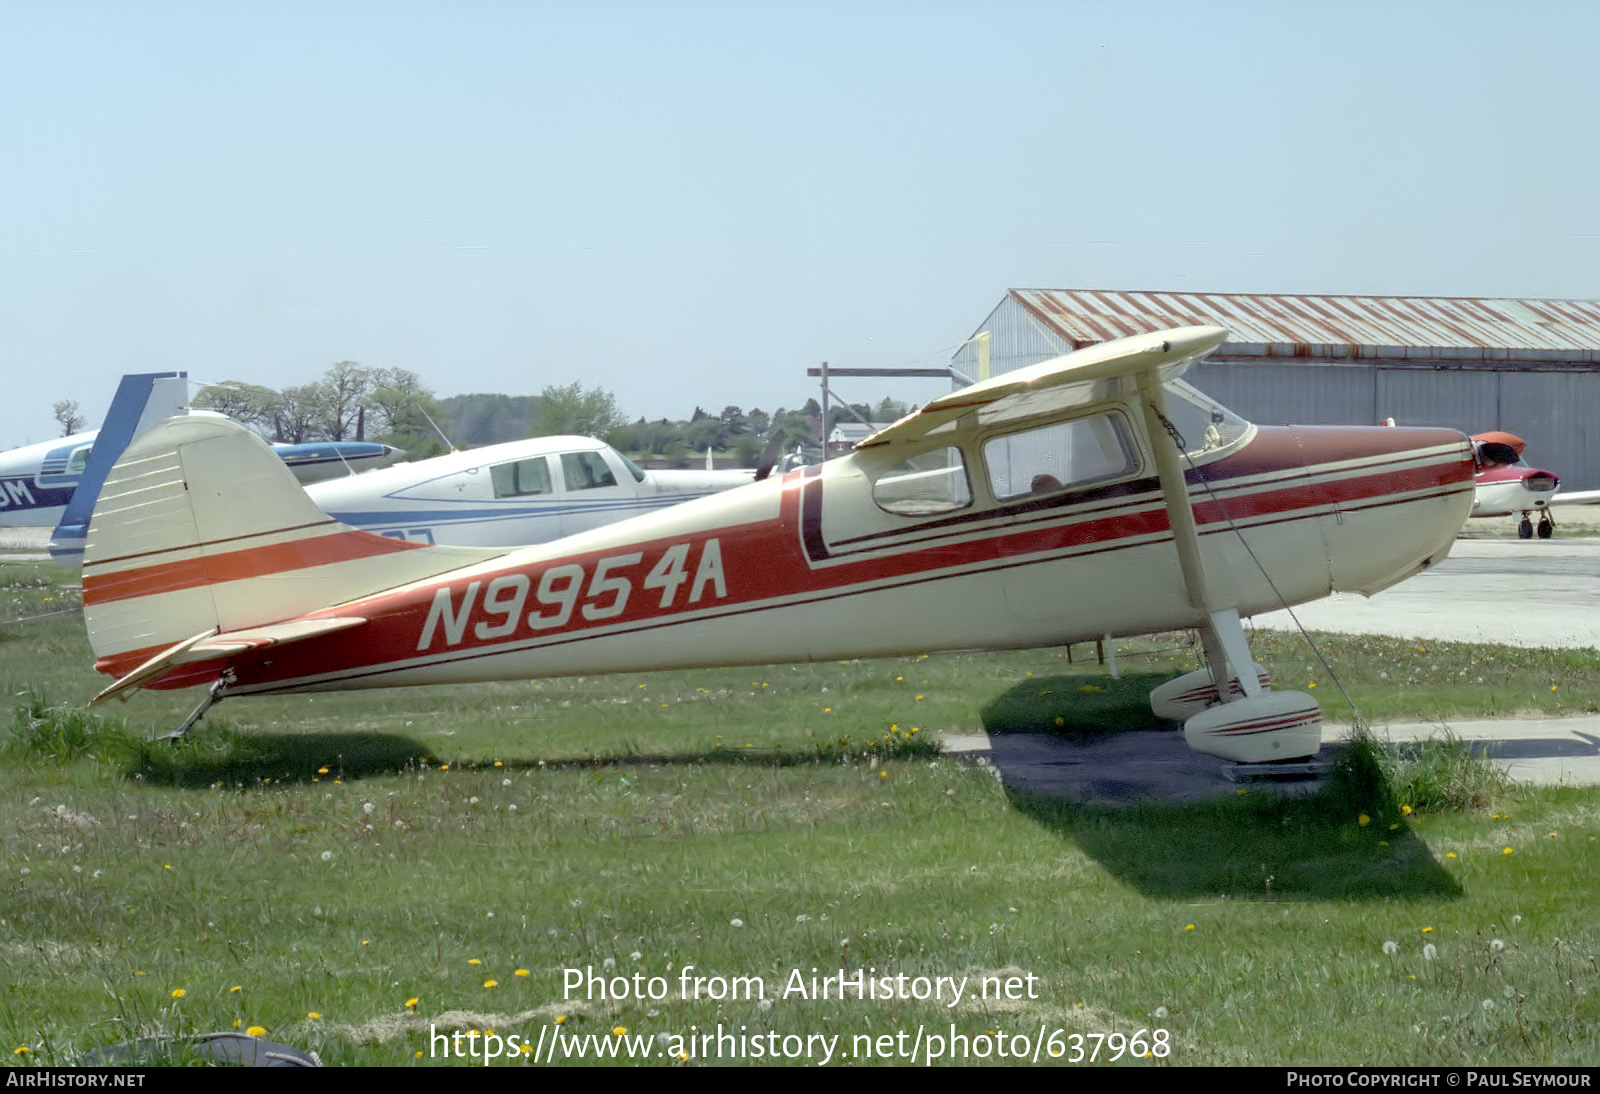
(350, 873)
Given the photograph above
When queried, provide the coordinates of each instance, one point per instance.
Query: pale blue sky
(694, 202)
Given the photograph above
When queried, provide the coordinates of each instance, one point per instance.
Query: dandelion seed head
(1391, 948)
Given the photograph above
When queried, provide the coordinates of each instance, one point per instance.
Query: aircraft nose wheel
(1546, 527)
(1525, 529)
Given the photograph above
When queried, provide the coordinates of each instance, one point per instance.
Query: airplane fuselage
(813, 566)
(37, 480)
(511, 494)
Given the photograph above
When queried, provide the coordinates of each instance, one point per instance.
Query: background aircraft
(1087, 496)
(512, 494)
(37, 481)
(1508, 487)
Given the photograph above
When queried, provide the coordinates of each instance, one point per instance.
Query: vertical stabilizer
(141, 401)
(201, 528)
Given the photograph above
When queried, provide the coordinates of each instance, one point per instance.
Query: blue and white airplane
(38, 480)
(513, 494)
(54, 484)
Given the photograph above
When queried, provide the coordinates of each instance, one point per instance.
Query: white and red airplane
(1505, 486)
(1089, 495)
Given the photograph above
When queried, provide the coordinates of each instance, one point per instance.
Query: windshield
(1204, 425)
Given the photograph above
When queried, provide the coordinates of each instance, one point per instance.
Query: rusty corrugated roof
(1278, 325)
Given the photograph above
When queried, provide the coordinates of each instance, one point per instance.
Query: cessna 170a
(1089, 495)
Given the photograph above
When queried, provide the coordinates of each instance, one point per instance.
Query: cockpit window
(932, 482)
(1074, 453)
(633, 469)
(586, 471)
(79, 460)
(1203, 424)
(521, 478)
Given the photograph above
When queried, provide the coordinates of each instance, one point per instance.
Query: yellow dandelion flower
(618, 1031)
(237, 1022)
(520, 972)
(412, 1002)
(491, 983)
(497, 763)
(1507, 851)
(1427, 930)
(365, 942)
(21, 1050)
(1449, 854)
(473, 961)
(313, 1015)
(418, 1054)
(883, 774)
(257, 1031)
(1363, 820)
(178, 993)
(1383, 843)
(1189, 927)
(322, 771)
(527, 1049)
(236, 988)
(1406, 809)
(561, 1019)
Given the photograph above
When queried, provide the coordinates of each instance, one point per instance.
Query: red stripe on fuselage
(276, 558)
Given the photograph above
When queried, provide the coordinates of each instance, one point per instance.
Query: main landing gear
(1547, 526)
(1250, 723)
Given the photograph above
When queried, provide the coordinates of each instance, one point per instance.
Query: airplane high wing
(1091, 495)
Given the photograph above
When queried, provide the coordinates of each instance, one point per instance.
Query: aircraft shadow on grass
(237, 758)
(1165, 819)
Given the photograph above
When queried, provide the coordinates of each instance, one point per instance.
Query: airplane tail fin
(142, 400)
(201, 529)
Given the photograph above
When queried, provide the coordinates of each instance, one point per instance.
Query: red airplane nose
(1540, 481)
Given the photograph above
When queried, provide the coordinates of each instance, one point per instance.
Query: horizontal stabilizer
(1050, 384)
(208, 645)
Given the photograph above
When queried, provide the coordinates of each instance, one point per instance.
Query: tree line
(392, 405)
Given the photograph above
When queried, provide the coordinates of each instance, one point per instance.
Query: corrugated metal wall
(1551, 410)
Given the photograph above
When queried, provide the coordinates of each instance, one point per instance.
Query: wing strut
(1241, 720)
